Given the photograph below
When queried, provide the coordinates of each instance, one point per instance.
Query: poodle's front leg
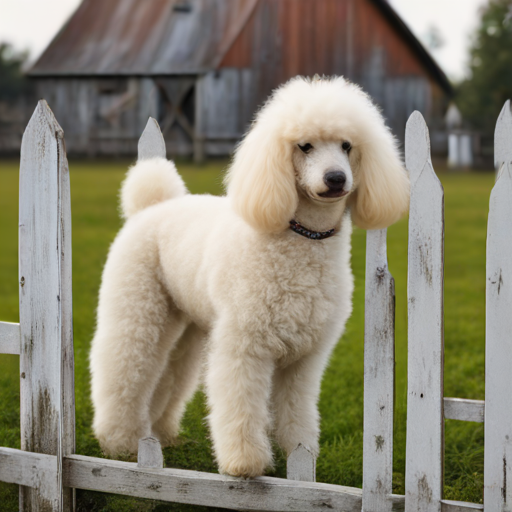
(238, 385)
(295, 396)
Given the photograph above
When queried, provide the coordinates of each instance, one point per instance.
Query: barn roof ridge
(434, 68)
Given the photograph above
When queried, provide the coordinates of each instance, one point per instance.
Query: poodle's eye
(346, 146)
(306, 148)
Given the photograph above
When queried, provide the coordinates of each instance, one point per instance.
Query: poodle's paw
(247, 461)
(119, 440)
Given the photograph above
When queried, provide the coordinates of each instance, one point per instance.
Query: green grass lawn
(94, 189)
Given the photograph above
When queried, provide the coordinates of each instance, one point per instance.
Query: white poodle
(257, 284)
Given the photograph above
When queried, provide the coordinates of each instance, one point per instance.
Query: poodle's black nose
(335, 179)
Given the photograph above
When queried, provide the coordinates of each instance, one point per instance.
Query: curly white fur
(223, 279)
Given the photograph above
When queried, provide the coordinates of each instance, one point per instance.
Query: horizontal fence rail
(459, 506)
(194, 487)
(34, 470)
(464, 410)
(48, 471)
(10, 338)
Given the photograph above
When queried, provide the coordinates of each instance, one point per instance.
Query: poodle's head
(323, 138)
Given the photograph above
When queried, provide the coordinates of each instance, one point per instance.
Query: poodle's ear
(382, 196)
(261, 181)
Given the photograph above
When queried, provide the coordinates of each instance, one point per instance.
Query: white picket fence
(47, 469)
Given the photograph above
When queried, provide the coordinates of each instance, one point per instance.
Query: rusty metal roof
(144, 37)
(165, 37)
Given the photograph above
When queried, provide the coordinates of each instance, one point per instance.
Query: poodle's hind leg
(177, 385)
(136, 330)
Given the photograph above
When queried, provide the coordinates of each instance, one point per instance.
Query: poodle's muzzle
(335, 179)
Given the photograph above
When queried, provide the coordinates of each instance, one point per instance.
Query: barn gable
(202, 67)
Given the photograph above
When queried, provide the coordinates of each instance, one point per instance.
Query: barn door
(177, 113)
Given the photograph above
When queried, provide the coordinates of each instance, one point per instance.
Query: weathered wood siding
(101, 116)
(228, 102)
(336, 37)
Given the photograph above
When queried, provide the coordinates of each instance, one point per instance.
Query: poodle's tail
(150, 182)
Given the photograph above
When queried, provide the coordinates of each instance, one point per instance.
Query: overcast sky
(31, 24)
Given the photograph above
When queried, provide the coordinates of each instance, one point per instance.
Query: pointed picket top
(150, 453)
(503, 137)
(417, 145)
(301, 465)
(43, 119)
(151, 142)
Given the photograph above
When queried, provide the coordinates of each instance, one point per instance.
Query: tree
(481, 97)
(13, 84)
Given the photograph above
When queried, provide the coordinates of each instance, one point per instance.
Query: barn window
(113, 99)
(182, 7)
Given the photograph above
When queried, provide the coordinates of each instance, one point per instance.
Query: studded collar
(312, 235)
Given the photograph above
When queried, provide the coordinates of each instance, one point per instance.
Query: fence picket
(150, 453)
(301, 465)
(151, 142)
(46, 354)
(498, 343)
(379, 373)
(425, 421)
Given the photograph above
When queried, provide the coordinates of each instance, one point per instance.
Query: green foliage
(94, 189)
(481, 97)
(13, 83)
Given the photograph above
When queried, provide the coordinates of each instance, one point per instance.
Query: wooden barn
(202, 67)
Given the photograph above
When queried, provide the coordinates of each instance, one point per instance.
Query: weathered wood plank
(28, 469)
(379, 373)
(301, 465)
(10, 338)
(464, 410)
(151, 142)
(425, 419)
(498, 329)
(46, 350)
(150, 453)
(194, 487)
(502, 141)
(459, 506)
